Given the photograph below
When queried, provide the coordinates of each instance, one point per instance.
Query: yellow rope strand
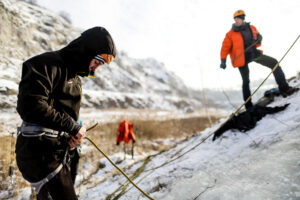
(124, 174)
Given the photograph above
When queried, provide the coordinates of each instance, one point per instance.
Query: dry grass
(149, 133)
(13, 180)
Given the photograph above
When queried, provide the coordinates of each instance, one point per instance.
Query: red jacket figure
(125, 132)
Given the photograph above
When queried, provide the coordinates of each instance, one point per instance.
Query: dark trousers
(38, 156)
(59, 187)
(268, 62)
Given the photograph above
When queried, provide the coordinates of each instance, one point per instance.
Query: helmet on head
(239, 13)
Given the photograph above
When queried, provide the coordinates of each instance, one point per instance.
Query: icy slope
(263, 163)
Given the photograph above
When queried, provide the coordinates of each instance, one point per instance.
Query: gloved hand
(259, 38)
(223, 63)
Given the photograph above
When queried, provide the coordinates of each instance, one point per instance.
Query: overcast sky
(186, 35)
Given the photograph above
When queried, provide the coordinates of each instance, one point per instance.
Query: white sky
(187, 35)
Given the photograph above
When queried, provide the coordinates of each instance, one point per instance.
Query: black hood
(79, 53)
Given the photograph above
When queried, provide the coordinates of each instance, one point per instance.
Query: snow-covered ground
(263, 163)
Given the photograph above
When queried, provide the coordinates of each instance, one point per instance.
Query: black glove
(259, 38)
(223, 63)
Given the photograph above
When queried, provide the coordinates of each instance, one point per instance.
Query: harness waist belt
(35, 130)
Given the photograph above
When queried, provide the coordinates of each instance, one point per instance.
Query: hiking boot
(289, 91)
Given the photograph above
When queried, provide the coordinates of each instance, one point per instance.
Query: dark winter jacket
(50, 89)
(49, 96)
(248, 39)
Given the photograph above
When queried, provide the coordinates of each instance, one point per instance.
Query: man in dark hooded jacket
(48, 102)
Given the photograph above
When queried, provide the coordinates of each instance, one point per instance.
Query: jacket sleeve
(226, 46)
(254, 32)
(33, 104)
(256, 35)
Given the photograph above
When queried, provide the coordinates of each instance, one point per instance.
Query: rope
(245, 50)
(124, 174)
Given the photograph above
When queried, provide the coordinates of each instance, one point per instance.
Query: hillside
(262, 163)
(27, 30)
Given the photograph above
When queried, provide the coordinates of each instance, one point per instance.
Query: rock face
(27, 30)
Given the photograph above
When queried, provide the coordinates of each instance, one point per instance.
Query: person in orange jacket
(125, 132)
(241, 42)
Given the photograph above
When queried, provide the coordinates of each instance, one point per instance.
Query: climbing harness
(38, 185)
(33, 130)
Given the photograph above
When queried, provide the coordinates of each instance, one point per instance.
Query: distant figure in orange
(125, 132)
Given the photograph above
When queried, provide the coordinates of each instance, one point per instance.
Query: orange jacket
(233, 44)
(125, 132)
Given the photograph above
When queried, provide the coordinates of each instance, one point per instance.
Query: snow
(262, 163)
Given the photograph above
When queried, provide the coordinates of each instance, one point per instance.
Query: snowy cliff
(27, 30)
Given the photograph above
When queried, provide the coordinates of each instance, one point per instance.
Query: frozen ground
(263, 163)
